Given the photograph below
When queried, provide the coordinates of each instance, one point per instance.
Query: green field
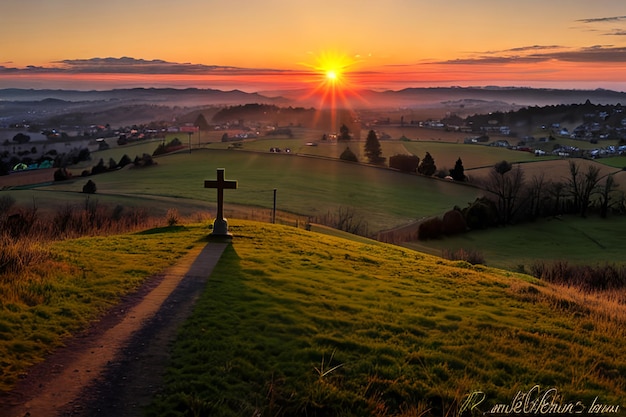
(589, 241)
(306, 186)
(315, 187)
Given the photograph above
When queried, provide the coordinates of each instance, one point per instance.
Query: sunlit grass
(69, 283)
(297, 323)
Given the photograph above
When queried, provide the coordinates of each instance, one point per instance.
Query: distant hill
(140, 105)
(494, 98)
(116, 107)
(169, 96)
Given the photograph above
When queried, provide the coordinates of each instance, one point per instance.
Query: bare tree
(506, 183)
(583, 185)
(556, 191)
(606, 195)
(536, 196)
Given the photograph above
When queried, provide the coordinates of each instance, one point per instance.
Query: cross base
(220, 230)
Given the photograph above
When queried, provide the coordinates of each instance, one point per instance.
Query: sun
(332, 84)
(331, 70)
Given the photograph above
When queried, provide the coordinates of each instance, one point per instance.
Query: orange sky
(274, 44)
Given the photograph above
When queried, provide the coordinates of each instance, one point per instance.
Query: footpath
(116, 366)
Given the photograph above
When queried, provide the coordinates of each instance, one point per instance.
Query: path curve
(116, 367)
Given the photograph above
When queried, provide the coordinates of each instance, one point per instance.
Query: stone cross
(220, 225)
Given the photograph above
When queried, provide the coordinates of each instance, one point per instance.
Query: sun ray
(333, 86)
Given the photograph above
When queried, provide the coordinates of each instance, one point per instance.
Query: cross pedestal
(220, 225)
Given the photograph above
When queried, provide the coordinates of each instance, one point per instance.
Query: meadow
(298, 323)
(305, 186)
(589, 241)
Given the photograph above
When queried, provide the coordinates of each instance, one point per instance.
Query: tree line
(402, 162)
(510, 197)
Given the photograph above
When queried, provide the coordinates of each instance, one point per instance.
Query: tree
(503, 167)
(373, 151)
(458, 172)
(124, 161)
(201, 122)
(536, 196)
(344, 132)
(99, 168)
(506, 183)
(583, 185)
(427, 166)
(348, 155)
(605, 195)
(89, 187)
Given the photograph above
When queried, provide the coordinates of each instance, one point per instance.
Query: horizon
(346, 46)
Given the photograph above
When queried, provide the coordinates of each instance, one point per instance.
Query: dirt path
(116, 367)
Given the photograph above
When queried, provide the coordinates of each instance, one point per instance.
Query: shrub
(430, 229)
(472, 256)
(173, 218)
(62, 174)
(89, 187)
(124, 161)
(481, 214)
(144, 161)
(98, 169)
(453, 223)
(404, 163)
(348, 155)
(585, 277)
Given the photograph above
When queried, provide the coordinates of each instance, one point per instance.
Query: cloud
(616, 33)
(127, 65)
(537, 53)
(529, 48)
(603, 19)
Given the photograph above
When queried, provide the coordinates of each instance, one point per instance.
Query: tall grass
(589, 278)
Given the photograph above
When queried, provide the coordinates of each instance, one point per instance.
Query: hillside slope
(298, 323)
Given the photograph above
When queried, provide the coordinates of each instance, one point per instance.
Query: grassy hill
(301, 323)
(297, 323)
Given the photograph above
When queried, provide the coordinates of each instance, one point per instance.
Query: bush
(144, 161)
(99, 169)
(472, 256)
(585, 277)
(62, 174)
(481, 214)
(173, 218)
(89, 187)
(124, 161)
(453, 223)
(430, 229)
(348, 155)
(404, 163)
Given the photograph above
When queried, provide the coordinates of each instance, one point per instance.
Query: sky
(265, 45)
